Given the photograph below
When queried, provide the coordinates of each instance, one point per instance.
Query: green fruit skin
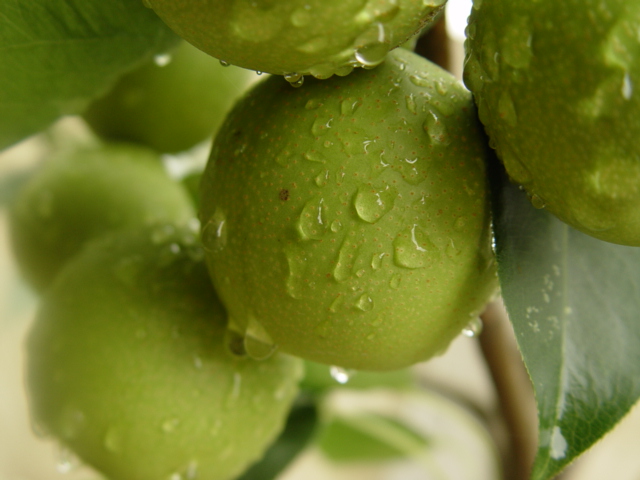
(169, 107)
(555, 87)
(348, 221)
(81, 195)
(304, 37)
(127, 366)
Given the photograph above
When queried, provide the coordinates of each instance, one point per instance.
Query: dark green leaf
(369, 437)
(56, 55)
(574, 302)
(297, 433)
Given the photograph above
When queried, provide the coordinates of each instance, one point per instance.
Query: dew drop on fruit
(377, 259)
(296, 80)
(372, 204)
(473, 328)
(66, 460)
(112, 440)
(337, 303)
(420, 81)
(410, 101)
(436, 129)
(395, 280)
(224, 63)
(234, 341)
(257, 342)
(515, 43)
(301, 16)
(321, 126)
(507, 110)
(340, 375)
(315, 156)
(312, 224)
(364, 303)
(214, 233)
(322, 179)
(537, 201)
(162, 59)
(413, 248)
(372, 47)
(350, 105)
(451, 250)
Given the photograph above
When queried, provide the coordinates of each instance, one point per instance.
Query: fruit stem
(518, 444)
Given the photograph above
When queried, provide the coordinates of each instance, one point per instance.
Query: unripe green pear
(171, 103)
(556, 88)
(298, 37)
(82, 194)
(347, 221)
(127, 365)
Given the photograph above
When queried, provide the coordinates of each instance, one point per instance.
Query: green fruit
(128, 369)
(347, 222)
(79, 196)
(298, 37)
(555, 87)
(169, 106)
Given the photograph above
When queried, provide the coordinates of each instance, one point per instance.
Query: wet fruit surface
(555, 84)
(294, 38)
(347, 221)
(128, 369)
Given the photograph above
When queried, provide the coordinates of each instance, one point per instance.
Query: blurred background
(459, 408)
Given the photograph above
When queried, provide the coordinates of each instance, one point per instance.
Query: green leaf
(57, 55)
(574, 302)
(369, 437)
(300, 428)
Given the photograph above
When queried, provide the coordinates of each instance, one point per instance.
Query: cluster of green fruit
(346, 222)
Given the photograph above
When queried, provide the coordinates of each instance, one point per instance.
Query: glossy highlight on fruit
(171, 103)
(298, 37)
(556, 88)
(127, 365)
(347, 222)
(81, 194)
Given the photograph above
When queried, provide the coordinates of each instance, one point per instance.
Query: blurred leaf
(574, 302)
(10, 185)
(57, 55)
(298, 431)
(369, 437)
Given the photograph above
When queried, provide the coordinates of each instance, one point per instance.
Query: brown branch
(515, 393)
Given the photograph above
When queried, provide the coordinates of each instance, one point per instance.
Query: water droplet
(473, 328)
(451, 250)
(301, 16)
(350, 105)
(170, 425)
(420, 81)
(372, 47)
(313, 104)
(627, 87)
(257, 342)
(322, 179)
(234, 389)
(507, 110)
(321, 126)
(214, 233)
(372, 204)
(377, 259)
(297, 271)
(340, 375)
(234, 340)
(413, 248)
(224, 64)
(410, 101)
(559, 445)
(537, 201)
(315, 45)
(395, 280)
(337, 303)
(336, 226)
(515, 43)
(295, 79)
(364, 303)
(436, 129)
(162, 59)
(346, 259)
(312, 224)
(113, 440)
(66, 460)
(315, 156)
(323, 329)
